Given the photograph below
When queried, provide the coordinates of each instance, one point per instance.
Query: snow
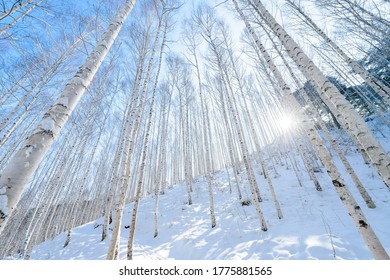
(315, 224)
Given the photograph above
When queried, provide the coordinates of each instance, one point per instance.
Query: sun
(286, 122)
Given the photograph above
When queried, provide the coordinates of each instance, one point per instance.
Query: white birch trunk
(377, 85)
(146, 143)
(256, 198)
(207, 159)
(114, 242)
(205, 140)
(15, 8)
(230, 146)
(21, 167)
(16, 20)
(367, 198)
(346, 197)
(340, 107)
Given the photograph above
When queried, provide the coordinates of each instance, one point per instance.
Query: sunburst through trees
(112, 107)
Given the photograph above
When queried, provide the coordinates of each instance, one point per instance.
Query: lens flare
(286, 123)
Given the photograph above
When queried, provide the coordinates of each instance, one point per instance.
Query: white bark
(4, 30)
(346, 197)
(146, 143)
(336, 147)
(162, 159)
(21, 167)
(348, 118)
(14, 8)
(114, 242)
(130, 136)
(377, 85)
(192, 48)
(256, 198)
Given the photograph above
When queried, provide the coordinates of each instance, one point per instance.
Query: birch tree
(15, 6)
(375, 83)
(135, 119)
(192, 46)
(20, 17)
(206, 22)
(346, 197)
(312, 111)
(341, 108)
(22, 166)
(162, 26)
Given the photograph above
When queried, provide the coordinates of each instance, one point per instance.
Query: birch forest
(104, 103)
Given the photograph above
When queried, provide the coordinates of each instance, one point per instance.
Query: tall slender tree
(340, 107)
(22, 166)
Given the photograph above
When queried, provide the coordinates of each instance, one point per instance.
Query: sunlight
(286, 122)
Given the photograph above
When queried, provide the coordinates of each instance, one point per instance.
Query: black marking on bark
(61, 105)
(363, 224)
(48, 132)
(337, 184)
(370, 148)
(246, 202)
(318, 187)
(47, 114)
(2, 215)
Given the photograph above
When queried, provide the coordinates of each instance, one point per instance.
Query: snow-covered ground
(315, 224)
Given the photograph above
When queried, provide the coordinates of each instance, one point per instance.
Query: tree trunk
(373, 82)
(346, 197)
(21, 167)
(5, 29)
(14, 8)
(340, 107)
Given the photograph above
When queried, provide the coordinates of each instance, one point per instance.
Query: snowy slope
(315, 224)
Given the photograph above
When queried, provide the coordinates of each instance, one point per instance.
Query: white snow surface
(315, 224)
